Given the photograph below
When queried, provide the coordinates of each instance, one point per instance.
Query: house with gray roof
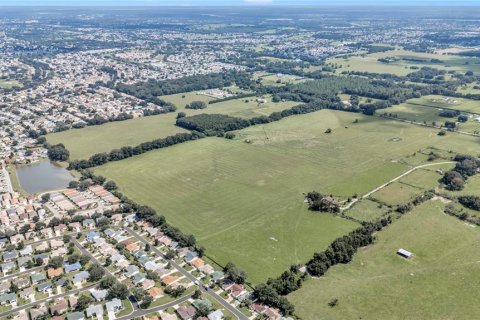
(114, 306)
(37, 277)
(72, 267)
(131, 270)
(10, 255)
(95, 311)
(44, 287)
(80, 277)
(9, 266)
(8, 299)
(99, 295)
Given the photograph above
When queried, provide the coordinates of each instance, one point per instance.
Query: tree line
(99, 159)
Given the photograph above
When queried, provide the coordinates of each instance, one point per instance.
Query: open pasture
(439, 282)
(406, 60)
(441, 102)
(428, 114)
(244, 200)
(82, 143)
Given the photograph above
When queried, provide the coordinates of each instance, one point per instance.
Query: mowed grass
(440, 282)
(366, 210)
(396, 193)
(82, 143)
(244, 201)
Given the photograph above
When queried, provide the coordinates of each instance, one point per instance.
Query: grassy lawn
(247, 198)
(366, 210)
(396, 193)
(422, 178)
(439, 282)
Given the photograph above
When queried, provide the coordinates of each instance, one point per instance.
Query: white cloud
(258, 1)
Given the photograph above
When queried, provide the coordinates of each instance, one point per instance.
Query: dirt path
(393, 180)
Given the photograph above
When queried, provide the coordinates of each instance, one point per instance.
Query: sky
(230, 2)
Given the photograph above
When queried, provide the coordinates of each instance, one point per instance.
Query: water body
(43, 176)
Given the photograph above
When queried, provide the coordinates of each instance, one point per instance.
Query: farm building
(404, 253)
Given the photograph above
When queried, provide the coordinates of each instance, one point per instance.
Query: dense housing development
(239, 163)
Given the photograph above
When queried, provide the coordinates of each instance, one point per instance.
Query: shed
(404, 253)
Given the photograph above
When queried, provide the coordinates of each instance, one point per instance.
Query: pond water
(43, 176)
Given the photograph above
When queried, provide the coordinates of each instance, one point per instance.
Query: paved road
(8, 180)
(19, 274)
(5, 314)
(92, 257)
(140, 313)
(189, 276)
(393, 180)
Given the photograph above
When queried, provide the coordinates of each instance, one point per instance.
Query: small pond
(43, 176)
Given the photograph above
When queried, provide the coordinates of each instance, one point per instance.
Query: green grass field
(82, 143)
(247, 198)
(439, 282)
(370, 63)
(396, 193)
(429, 114)
(366, 210)
(436, 101)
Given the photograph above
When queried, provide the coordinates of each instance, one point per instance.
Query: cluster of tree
(378, 48)
(212, 124)
(57, 152)
(471, 202)
(427, 75)
(196, 105)
(267, 294)
(449, 113)
(465, 167)
(234, 273)
(127, 152)
(150, 90)
(322, 203)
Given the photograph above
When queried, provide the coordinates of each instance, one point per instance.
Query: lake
(43, 176)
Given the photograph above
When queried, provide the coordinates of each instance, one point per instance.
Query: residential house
(23, 261)
(44, 287)
(7, 267)
(44, 257)
(10, 255)
(59, 307)
(114, 306)
(27, 293)
(95, 311)
(72, 267)
(8, 299)
(215, 315)
(80, 277)
(88, 223)
(155, 293)
(147, 284)
(21, 283)
(37, 277)
(92, 235)
(52, 273)
(5, 286)
(131, 270)
(38, 312)
(27, 251)
(190, 256)
(139, 278)
(99, 295)
(186, 313)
